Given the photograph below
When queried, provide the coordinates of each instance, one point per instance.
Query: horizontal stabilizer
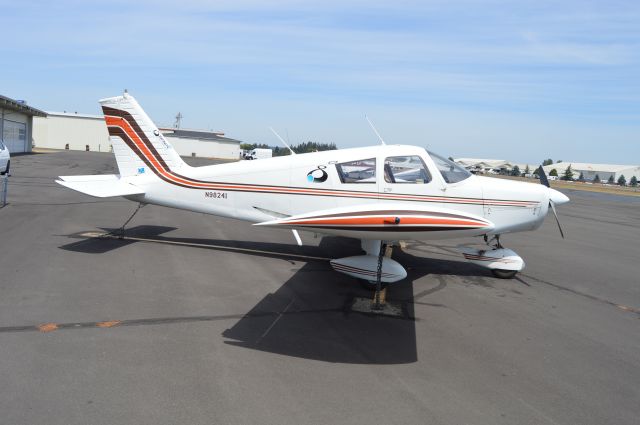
(102, 186)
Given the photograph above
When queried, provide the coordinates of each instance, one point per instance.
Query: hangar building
(482, 166)
(73, 131)
(16, 124)
(589, 171)
(202, 143)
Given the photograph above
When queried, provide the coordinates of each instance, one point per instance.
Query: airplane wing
(101, 186)
(386, 217)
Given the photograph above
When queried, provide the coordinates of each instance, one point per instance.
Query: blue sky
(519, 80)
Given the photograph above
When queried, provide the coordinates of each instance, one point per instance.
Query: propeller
(560, 198)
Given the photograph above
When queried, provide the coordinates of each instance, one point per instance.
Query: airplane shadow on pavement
(310, 315)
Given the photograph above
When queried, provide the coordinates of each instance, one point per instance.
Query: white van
(259, 154)
(5, 159)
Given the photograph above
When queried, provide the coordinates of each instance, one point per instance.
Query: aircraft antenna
(374, 130)
(282, 140)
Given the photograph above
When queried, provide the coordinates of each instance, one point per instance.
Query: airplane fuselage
(259, 191)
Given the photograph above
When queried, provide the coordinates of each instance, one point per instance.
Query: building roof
(581, 166)
(20, 106)
(205, 135)
(478, 160)
(74, 115)
(485, 163)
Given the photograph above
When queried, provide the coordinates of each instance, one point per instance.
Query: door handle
(387, 189)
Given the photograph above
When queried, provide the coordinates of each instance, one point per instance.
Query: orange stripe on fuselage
(386, 220)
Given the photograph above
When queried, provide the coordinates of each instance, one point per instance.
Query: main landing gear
(504, 263)
(378, 297)
(376, 269)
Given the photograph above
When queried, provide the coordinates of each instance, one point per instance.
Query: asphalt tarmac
(218, 322)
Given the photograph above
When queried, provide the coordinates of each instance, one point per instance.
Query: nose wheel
(504, 274)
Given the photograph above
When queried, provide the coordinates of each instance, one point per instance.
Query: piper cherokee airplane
(380, 194)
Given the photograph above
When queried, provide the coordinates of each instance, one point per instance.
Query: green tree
(278, 151)
(611, 180)
(558, 161)
(547, 162)
(596, 179)
(568, 174)
(527, 171)
(247, 146)
(622, 181)
(633, 182)
(515, 171)
(581, 178)
(553, 172)
(313, 147)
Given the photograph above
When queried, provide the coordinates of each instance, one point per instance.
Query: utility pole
(178, 119)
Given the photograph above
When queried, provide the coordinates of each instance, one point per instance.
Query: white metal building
(73, 131)
(16, 124)
(589, 171)
(479, 165)
(202, 143)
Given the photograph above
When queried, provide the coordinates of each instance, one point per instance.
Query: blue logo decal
(141, 170)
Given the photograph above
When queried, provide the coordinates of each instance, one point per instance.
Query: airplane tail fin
(138, 145)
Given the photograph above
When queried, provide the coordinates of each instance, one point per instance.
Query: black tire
(371, 285)
(504, 274)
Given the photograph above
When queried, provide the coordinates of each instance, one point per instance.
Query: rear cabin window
(406, 169)
(360, 171)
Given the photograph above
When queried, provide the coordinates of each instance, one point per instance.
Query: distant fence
(4, 187)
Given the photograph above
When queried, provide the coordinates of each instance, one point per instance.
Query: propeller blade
(555, 214)
(543, 177)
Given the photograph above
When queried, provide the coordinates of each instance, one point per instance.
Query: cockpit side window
(360, 171)
(405, 169)
(451, 172)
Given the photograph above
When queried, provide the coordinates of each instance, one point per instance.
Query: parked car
(5, 159)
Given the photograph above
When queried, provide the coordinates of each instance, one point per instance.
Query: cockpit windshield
(451, 172)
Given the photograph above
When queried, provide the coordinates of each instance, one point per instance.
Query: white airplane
(379, 194)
